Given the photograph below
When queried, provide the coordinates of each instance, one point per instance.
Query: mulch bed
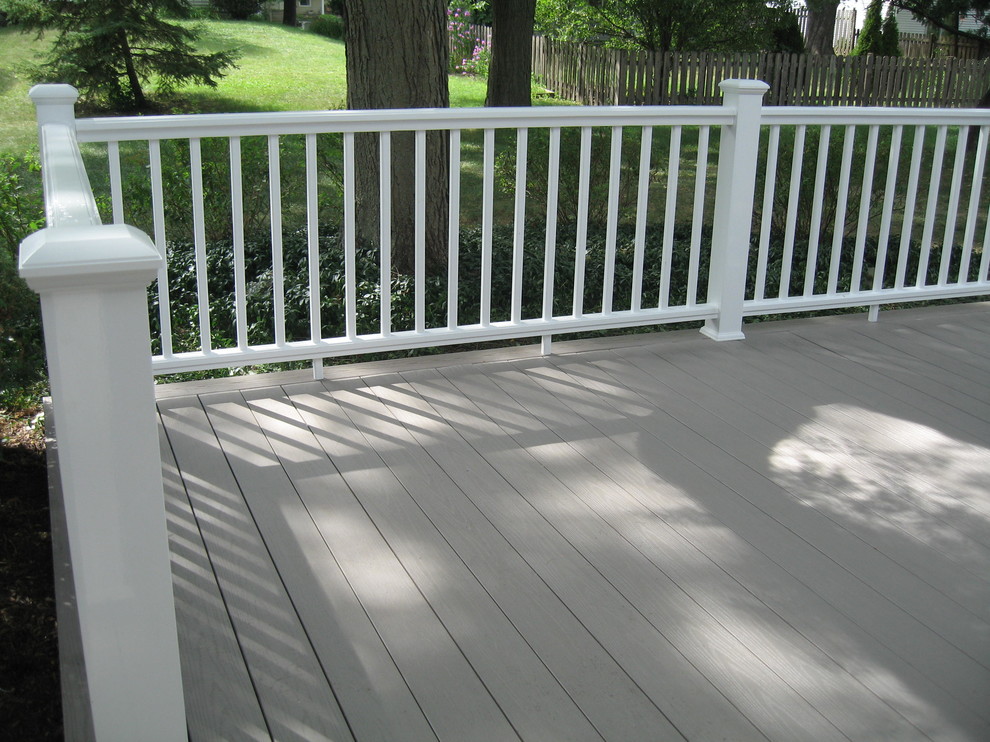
(30, 703)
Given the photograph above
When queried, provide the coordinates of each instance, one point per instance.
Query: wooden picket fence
(925, 46)
(597, 76)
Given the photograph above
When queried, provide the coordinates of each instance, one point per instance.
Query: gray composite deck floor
(648, 538)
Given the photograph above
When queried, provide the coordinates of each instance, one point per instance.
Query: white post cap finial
(743, 87)
(54, 103)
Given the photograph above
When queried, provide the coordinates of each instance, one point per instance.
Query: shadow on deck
(641, 538)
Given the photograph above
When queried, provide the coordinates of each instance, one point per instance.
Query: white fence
(612, 217)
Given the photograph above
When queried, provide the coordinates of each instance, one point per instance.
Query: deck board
(293, 695)
(659, 538)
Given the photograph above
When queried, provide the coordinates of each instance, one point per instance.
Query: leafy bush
(21, 212)
(785, 32)
(295, 264)
(331, 26)
(469, 54)
(238, 10)
(879, 35)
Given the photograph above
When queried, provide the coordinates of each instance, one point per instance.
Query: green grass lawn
(279, 69)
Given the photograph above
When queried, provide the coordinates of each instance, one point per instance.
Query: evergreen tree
(890, 45)
(111, 49)
(871, 37)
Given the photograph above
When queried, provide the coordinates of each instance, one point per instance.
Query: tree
(785, 33)
(821, 26)
(111, 49)
(511, 69)
(890, 44)
(944, 16)
(665, 25)
(237, 10)
(397, 58)
(289, 13)
(870, 39)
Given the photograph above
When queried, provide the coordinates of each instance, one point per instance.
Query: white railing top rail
(865, 116)
(136, 128)
(69, 198)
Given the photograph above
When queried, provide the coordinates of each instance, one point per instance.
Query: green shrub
(238, 10)
(21, 212)
(259, 280)
(331, 26)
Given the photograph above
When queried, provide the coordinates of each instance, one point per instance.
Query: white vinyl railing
(235, 128)
(852, 206)
(886, 187)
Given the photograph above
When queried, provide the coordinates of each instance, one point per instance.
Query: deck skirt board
(660, 538)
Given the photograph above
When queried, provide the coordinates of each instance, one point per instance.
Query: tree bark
(511, 70)
(289, 13)
(397, 57)
(134, 82)
(821, 26)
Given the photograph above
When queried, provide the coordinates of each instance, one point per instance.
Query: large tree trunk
(397, 57)
(289, 13)
(511, 70)
(821, 26)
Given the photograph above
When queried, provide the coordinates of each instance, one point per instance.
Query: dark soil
(30, 703)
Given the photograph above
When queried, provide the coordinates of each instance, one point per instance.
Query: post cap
(88, 256)
(744, 87)
(54, 103)
(50, 93)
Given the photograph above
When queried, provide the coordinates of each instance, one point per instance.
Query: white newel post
(93, 284)
(733, 218)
